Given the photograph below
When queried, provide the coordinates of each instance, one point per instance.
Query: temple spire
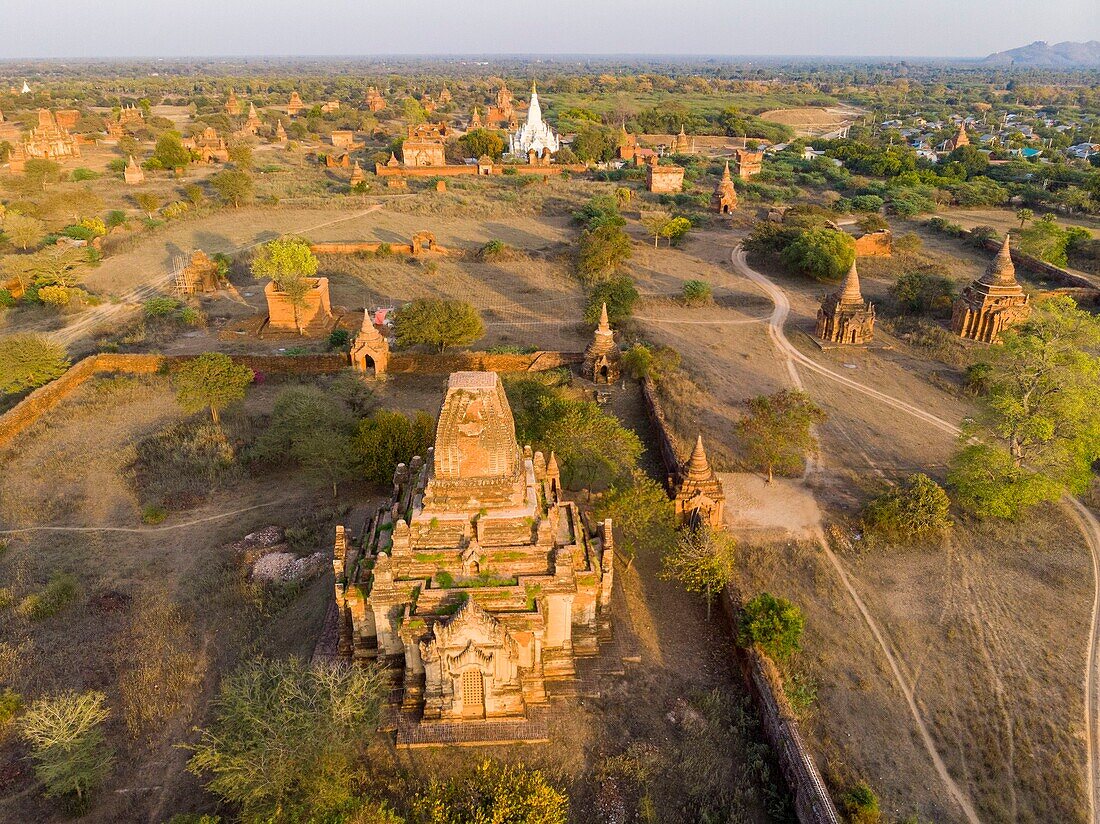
(726, 173)
(849, 290)
(1001, 271)
(605, 324)
(698, 466)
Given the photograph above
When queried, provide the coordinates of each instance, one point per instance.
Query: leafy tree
(641, 361)
(414, 113)
(641, 513)
(601, 210)
(437, 322)
(480, 142)
(56, 266)
(170, 152)
(74, 204)
(386, 439)
(496, 793)
(212, 380)
(593, 144)
(23, 230)
(233, 186)
(918, 509)
(1038, 433)
(825, 254)
(602, 251)
(1046, 240)
(921, 293)
(777, 430)
(68, 745)
(28, 361)
(774, 624)
(656, 223)
(240, 154)
(973, 161)
(702, 561)
(593, 449)
(286, 738)
(620, 295)
(677, 230)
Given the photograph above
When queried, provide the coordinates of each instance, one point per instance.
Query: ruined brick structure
(46, 141)
(748, 163)
(843, 317)
(295, 106)
(992, 303)
(479, 585)
(502, 110)
(602, 358)
(960, 138)
(663, 179)
(129, 120)
(724, 199)
(425, 145)
(233, 105)
(134, 174)
(314, 319)
(682, 143)
(699, 497)
(375, 101)
(208, 145)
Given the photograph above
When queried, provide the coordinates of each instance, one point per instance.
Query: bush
(493, 793)
(58, 593)
(825, 254)
(160, 307)
(923, 293)
(29, 361)
(774, 624)
(861, 804)
(697, 293)
(68, 744)
(438, 323)
(386, 439)
(11, 703)
(115, 217)
(918, 509)
(620, 295)
(339, 338)
(153, 514)
(867, 203)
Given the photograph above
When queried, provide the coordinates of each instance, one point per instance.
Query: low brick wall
(812, 802)
(405, 362)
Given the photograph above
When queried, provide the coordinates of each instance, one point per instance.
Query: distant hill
(1042, 55)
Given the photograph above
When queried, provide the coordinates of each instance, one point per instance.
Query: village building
(233, 105)
(208, 145)
(478, 584)
(133, 174)
(295, 106)
(602, 359)
(699, 497)
(844, 318)
(992, 303)
(425, 145)
(375, 101)
(537, 138)
(724, 199)
(313, 319)
(370, 351)
(663, 179)
(748, 163)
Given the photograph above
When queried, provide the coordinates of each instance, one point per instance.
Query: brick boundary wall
(813, 804)
(25, 413)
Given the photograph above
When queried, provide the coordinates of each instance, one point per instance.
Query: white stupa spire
(535, 135)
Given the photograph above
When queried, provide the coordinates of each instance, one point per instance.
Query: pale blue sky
(119, 28)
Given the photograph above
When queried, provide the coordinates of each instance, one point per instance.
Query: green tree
(641, 514)
(233, 186)
(702, 561)
(1025, 216)
(147, 202)
(618, 293)
(56, 266)
(170, 152)
(240, 154)
(494, 794)
(386, 439)
(777, 431)
(697, 293)
(68, 745)
(602, 251)
(774, 624)
(437, 322)
(1046, 240)
(24, 231)
(918, 509)
(1038, 433)
(28, 361)
(286, 739)
(211, 381)
(656, 223)
(481, 142)
(676, 230)
(413, 112)
(825, 254)
(921, 293)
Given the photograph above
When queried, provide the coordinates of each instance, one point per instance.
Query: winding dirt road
(1081, 515)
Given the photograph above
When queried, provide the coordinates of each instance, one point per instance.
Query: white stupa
(26, 88)
(536, 135)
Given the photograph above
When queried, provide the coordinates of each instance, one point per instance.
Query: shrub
(439, 323)
(81, 174)
(58, 593)
(160, 307)
(774, 624)
(153, 514)
(495, 250)
(28, 361)
(495, 792)
(861, 804)
(620, 295)
(339, 338)
(68, 744)
(825, 254)
(697, 293)
(116, 217)
(55, 296)
(918, 509)
(11, 703)
(922, 293)
(867, 203)
(386, 439)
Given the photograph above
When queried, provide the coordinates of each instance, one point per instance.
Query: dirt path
(1082, 516)
(151, 529)
(91, 319)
